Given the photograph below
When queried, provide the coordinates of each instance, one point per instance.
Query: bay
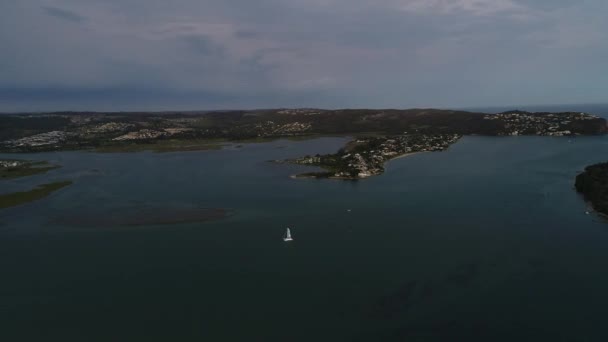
(485, 241)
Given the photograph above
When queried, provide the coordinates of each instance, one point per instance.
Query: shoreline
(405, 155)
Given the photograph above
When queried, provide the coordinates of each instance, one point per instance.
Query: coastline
(405, 155)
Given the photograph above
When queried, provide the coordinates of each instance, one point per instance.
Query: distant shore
(177, 131)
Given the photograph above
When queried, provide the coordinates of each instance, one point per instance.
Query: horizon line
(460, 108)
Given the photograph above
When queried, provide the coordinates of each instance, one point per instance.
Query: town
(548, 124)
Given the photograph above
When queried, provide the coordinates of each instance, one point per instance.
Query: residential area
(549, 124)
(365, 157)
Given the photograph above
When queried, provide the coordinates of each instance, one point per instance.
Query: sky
(231, 54)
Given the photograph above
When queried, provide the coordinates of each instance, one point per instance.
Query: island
(592, 183)
(39, 192)
(379, 134)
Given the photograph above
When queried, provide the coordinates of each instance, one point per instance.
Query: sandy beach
(405, 155)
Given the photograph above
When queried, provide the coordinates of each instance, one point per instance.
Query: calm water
(484, 242)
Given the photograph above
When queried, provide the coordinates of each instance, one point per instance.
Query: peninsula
(365, 157)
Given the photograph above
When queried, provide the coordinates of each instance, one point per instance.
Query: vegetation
(16, 126)
(593, 184)
(42, 191)
(24, 169)
(160, 146)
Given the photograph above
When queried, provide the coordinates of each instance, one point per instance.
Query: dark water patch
(537, 264)
(462, 277)
(437, 329)
(136, 217)
(396, 303)
(427, 291)
(442, 330)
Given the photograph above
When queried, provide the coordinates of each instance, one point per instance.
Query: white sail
(287, 236)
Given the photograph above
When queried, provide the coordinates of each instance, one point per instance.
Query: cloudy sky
(205, 54)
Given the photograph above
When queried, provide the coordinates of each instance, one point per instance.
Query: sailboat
(287, 236)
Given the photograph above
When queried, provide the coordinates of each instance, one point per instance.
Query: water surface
(486, 241)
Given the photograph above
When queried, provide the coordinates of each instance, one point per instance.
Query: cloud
(63, 14)
(386, 53)
(203, 45)
(475, 7)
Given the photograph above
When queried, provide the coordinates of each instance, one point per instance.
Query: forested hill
(593, 184)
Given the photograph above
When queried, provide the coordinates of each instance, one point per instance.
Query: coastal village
(272, 129)
(547, 124)
(365, 157)
(52, 138)
(86, 130)
(57, 139)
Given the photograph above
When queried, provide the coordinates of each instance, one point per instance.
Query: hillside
(72, 130)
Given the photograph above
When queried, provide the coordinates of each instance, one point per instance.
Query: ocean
(486, 241)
